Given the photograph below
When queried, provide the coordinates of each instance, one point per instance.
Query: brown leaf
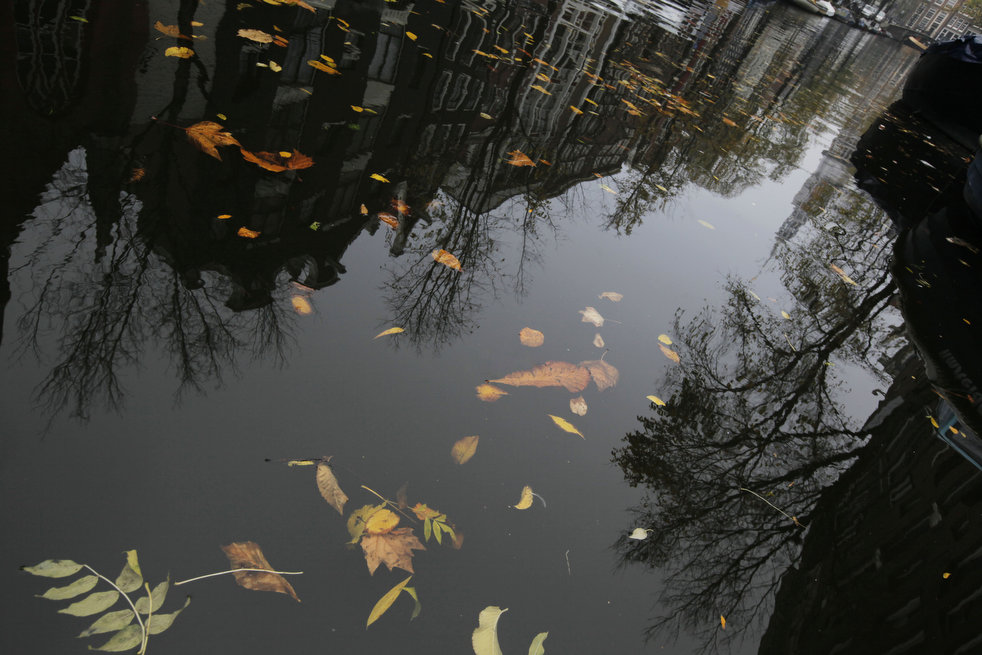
(598, 341)
(256, 35)
(247, 233)
(170, 30)
(327, 484)
(531, 338)
(394, 549)
(277, 162)
(447, 259)
(247, 555)
(604, 375)
(489, 393)
(551, 374)
(464, 449)
(389, 220)
(578, 405)
(519, 158)
(668, 352)
(207, 135)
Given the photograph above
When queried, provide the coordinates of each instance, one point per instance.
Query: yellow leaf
(551, 374)
(447, 259)
(526, 500)
(655, 399)
(256, 35)
(324, 68)
(518, 158)
(785, 315)
(576, 110)
(538, 87)
(181, 52)
(389, 220)
(170, 30)
(330, 490)
(464, 449)
(722, 622)
(665, 339)
(842, 274)
(566, 425)
(705, 224)
(945, 575)
(668, 352)
(276, 68)
(578, 406)
(222, 217)
(934, 422)
(489, 393)
(411, 36)
(363, 210)
(382, 522)
(385, 602)
(380, 178)
(301, 305)
(531, 338)
(486, 117)
(385, 333)
(247, 233)
(727, 121)
(208, 135)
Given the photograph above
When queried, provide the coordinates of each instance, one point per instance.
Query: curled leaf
(639, 533)
(484, 639)
(519, 158)
(329, 488)
(525, 501)
(655, 399)
(385, 333)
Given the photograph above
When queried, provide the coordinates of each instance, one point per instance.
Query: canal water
(212, 209)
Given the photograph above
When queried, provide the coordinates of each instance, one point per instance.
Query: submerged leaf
(385, 602)
(551, 374)
(604, 375)
(248, 555)
(394, 549)
(531, 338)
(591, 315)
(565, 425)
(484, 639)
(578, 406)
(464, 449)
(327, 484)
(385, 333)
(489, 393)
(447, 259)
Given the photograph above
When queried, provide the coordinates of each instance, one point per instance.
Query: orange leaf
(389, 220)
(180, 52)
(489, 393)
(531, 338)
(324, 68)
(248, 555)
(447, 259)
(276, 162)
(604, 375)
(207, 135)
(727, 121)
(400, 206)
(170, 30)
(301, 305)
(247, 233)
(551, 374)
(518, 158)
(394, 549)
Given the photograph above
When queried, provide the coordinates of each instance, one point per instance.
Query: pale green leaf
(385, 602)
(536, 648)
(419, 606)
(79, 586)
(109, 622)
(484, 640)
(437, 534)
(160, 622)
(427, 529)
(131, 578)
(158, 594)
(54, 568)
(126, 639)
(92, 604)
(446, 528)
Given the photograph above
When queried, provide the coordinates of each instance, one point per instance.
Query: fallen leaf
(327, 484)
(207, 135)
(705, 224)
(277, 162)
(170, 30)
(295, 3)
(591, 315)
(223, 217)
(394, 549)
(655, 399)
(604, 375)
(180, 52)
(275, 67)
(382, 521)
(484, 640)
(324, 68)
(668, 352)
(551, 374)
(256, 35)
(639, 533)
(842, 274)
(612, 296)
(598, 341)
(518, 158)
(536, 647)
(578, 406)
(566, 425)
(389, 220)
(464, 449)
(446, 258)
(608, 189)
(489, 393)
(531, 338)
(247, 233)
(945, 575)
(722, 619)
(540, 89)
(576, 110)
(379, 178)
(411, 36)
(727, 121)
(400, 206)
(665, 339)
(525, 501)
(136, 175)
(785, 315)
(301, 305)
(385, 333)
(247, 555)
(385, 602)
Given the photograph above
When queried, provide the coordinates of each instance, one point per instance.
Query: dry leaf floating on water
(613, 296)
(385, 333)
(464, 449)
(566, 425)
(591, 315)
(248, 555)
(531, 338)
(327, 484)
(551, 374)
(604, 375)
(668, 352)
(578, 406)
(489, 393)
(447, 259)
(598, 341)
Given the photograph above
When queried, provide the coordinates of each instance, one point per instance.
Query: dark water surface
(691, 157)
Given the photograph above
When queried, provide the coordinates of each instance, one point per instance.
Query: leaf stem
(122, 593)
(794, 519)
(146, 632)
(386, 500)
(212, 575)
(540, 498)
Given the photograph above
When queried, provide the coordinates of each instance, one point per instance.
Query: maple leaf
(278, 161)
(207, 135)
(551, 374)
(518, 158)
(394, 549)
(248, 555)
